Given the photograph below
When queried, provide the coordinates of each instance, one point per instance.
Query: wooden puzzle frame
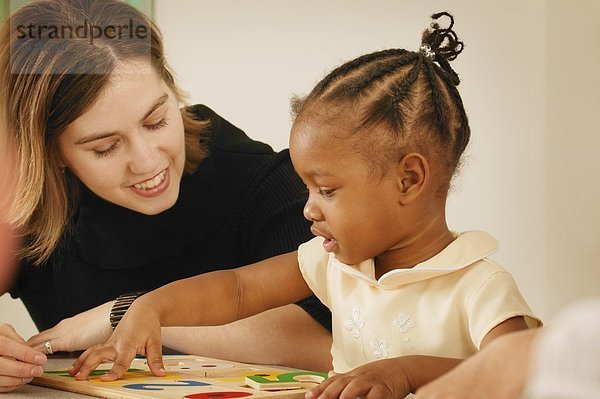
(190, 377)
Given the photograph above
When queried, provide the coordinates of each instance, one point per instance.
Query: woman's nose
(144, 157)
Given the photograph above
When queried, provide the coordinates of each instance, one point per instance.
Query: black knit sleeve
(273, 223)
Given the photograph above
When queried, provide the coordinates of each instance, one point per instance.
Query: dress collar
(466, 249)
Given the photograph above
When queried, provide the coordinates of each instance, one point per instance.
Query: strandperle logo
(73, 48)
(86, 30)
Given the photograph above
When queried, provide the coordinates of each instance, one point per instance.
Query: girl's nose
(312, 212)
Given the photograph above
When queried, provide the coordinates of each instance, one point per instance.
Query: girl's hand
(78, 332)
(381, 379)
(138, 332)
(18, 362)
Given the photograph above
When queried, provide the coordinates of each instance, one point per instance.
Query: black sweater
(243, 204)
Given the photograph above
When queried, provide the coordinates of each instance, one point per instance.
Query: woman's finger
(21, 352)
(39, 339)
(56, 343)
(13, 382)
(10, 388)
(11, 368)
(8, 331)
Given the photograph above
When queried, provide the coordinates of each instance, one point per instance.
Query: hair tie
(426, 50)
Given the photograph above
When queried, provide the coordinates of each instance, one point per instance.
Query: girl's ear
(413, 175)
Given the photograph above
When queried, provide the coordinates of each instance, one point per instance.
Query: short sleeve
(313, 260)
(497, 299)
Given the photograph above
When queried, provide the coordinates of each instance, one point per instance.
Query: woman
(120, 190)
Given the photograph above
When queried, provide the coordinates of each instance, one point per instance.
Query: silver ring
(48, 346)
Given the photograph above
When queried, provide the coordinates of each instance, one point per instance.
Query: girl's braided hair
(409, 96)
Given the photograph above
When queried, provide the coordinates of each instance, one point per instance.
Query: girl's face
(129, 147)
(351, 207)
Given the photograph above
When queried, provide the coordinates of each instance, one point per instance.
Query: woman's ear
(413, 175)
(57, 155)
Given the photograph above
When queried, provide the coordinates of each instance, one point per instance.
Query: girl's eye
(108, 151)
(326, 192)
(162, 123)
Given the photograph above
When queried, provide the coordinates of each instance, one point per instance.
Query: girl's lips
(329, 244)
(155, 191)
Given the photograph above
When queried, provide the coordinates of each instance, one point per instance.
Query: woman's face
(129, 147)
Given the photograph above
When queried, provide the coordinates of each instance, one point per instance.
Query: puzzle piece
(293, 380)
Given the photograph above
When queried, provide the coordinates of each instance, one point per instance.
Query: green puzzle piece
(95, 373)
(287, 377)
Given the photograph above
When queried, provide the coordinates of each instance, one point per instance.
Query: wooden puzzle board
(189, 377)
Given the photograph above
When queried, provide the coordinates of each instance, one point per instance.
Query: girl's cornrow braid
(352, 65)
(435, 39)
(385, 108)
(462, 140)
(439, 110)
(381, 71)
(402, 89)
(454, 47)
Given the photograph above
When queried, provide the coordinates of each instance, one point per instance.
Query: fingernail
(37, 371)
(40, 359)
(71, 367)
(27, 380)
(162, 370)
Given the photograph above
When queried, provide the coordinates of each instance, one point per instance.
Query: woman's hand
(18, 362)
(381, 379)
(78, 332)
(138, 332)
(498, 371)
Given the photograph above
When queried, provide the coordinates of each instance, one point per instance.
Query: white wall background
(529, 83)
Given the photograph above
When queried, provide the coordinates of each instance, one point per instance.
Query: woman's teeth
(151, 183)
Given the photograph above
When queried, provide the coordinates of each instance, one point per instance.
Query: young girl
(376, 142)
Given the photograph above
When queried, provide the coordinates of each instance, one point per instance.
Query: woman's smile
(152, 187)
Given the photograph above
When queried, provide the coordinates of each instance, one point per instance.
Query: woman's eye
(159, 125)
(108, 151)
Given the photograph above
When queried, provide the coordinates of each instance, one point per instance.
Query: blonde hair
(47, 84)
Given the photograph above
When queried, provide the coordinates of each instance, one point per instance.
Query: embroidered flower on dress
(355, 323)
(379, 349)
(404, 322)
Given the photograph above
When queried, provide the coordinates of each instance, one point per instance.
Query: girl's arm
(224, 296)
(398, 377)
(209, 299)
